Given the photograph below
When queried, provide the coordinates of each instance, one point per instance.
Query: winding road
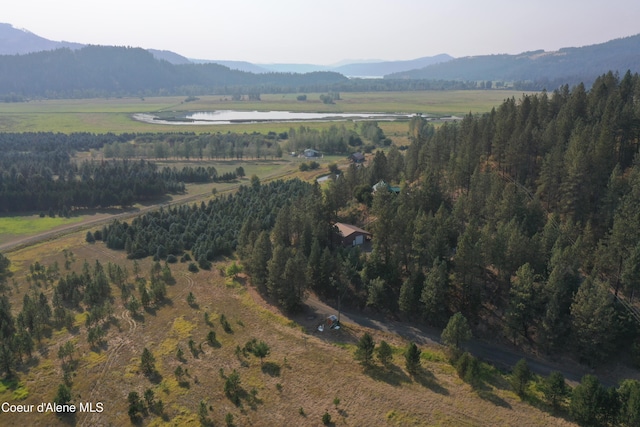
(498, 355)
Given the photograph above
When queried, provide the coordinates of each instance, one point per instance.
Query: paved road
(498, 355)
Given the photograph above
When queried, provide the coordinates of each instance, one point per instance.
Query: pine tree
(593, 321)
(555, 389)
(520, 312)
(520, 377)
(412, 358)
(384, 353)
(63, 396)
(629, 394)
(147, 362)
(456, 332)
(434, 294)
(587, 401)
(364, 350)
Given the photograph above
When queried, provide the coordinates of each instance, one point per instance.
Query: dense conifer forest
(524, 219)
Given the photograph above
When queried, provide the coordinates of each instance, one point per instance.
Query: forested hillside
(96, 71)
(539, 69)
(107, 71)
(524, 219)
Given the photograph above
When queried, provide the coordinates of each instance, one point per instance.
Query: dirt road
(498, 355)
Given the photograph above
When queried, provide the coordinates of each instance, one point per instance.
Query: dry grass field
(303, 377)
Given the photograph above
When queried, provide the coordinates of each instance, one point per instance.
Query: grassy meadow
(114, 114)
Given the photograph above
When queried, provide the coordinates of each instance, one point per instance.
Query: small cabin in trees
(350, 235)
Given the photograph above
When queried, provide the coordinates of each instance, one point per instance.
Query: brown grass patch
(305, 370)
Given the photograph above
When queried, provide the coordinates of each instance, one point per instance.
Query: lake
(235, 116)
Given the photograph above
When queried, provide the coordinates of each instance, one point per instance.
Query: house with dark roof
(350, 235)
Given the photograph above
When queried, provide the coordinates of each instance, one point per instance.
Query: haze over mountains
(529, 70)
(17, 41)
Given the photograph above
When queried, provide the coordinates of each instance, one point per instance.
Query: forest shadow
(391, 375)
(559, 412)
(489, 396)
(426, 379)
(485, 392)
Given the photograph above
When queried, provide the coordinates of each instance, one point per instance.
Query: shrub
(326, 418)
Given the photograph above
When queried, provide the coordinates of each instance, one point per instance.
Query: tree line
(188, 145)
(89, 185)
(39, 171)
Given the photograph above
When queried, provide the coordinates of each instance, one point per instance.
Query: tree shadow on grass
(485, 392)
(67, 419)
(271, 368)
(489, 396)
(426, 379)
(391, 375)
(560, 411)
(150, 310)
(155, 377)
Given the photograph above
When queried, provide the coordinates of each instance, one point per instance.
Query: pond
(235, 116)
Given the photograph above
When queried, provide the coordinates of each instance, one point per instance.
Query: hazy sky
(328, 31)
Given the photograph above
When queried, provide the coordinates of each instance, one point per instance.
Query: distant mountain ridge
(565, 66)
(14, 41)
(533, 70)
(96, 71)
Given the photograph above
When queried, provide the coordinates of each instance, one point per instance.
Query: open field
(114, 114)
(296, 383)
(27, 225)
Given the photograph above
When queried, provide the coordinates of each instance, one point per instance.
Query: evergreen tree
(364, 350)
(593, 321)
(63, 396)
(456, 332)
(434, 294)
(555, 389)
(412, 358)
(521, 310)
(384, 353)
(147, 362)
(587, 401)
(520, 377)
(259, 259)
(629, 394)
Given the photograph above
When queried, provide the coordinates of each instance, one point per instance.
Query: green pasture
(26, 225)
(115, 114)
